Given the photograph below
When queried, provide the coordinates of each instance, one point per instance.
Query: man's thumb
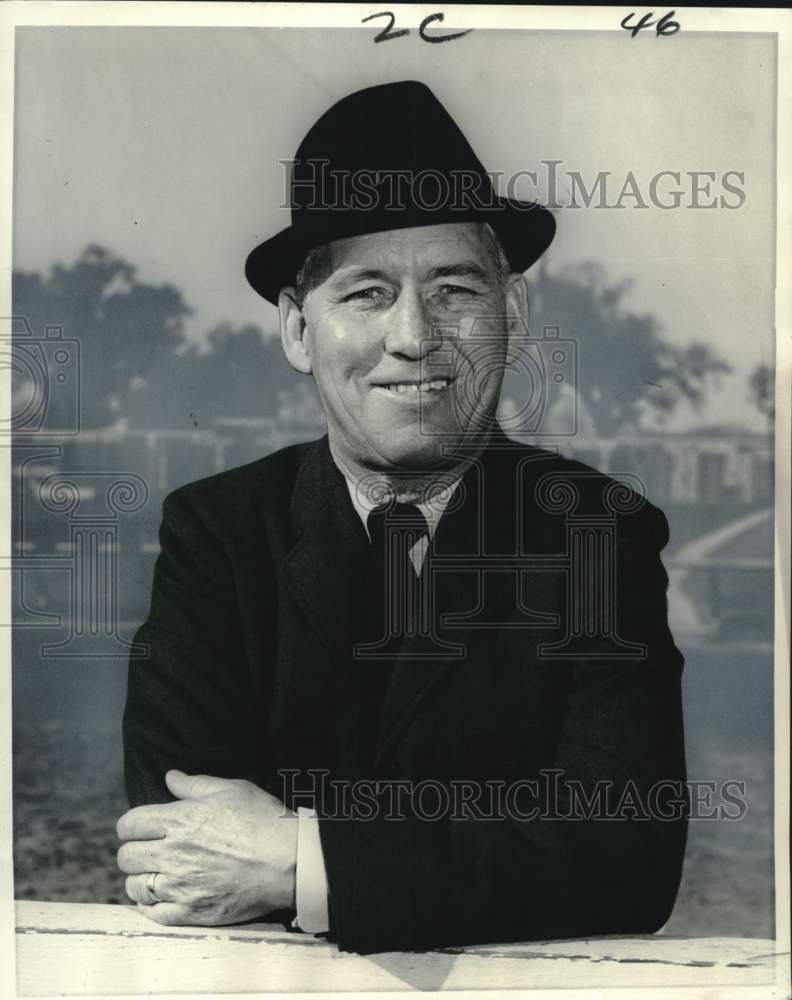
(194, 786)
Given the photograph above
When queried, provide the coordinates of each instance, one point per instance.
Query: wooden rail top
(78, 949)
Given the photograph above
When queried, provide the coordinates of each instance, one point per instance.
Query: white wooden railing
(78, 949)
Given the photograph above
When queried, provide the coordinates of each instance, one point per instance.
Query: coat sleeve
(188, 698)
(573, 871)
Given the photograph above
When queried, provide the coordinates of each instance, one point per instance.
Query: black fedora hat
(390, 157)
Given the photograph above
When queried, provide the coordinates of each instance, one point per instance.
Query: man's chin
(421, 453)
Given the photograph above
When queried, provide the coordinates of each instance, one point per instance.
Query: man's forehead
(406, 248)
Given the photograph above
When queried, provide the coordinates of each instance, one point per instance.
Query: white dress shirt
(311, 877)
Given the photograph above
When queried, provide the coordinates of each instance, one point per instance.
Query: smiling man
(384, 337)
(389, 691)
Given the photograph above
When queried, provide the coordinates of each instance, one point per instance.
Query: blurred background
(147, 166)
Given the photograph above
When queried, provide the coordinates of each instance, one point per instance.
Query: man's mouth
(414, 388)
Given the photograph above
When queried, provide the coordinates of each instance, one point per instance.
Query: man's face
(407, 341)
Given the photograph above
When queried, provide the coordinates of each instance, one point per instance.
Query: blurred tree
(761, 385)
(237, 372)
(135, 360)
(627, 373)
(123, 326)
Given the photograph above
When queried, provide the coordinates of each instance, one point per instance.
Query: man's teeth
(415, 387)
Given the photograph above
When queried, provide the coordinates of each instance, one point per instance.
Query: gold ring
(151, 887)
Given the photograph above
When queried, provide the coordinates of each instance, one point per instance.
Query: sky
(163, 145)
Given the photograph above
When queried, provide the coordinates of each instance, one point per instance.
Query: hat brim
(526, 230)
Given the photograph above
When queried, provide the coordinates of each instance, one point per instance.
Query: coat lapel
(330, 551)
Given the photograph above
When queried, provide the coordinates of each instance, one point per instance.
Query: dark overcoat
(523, 778)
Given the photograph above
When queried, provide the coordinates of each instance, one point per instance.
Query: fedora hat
(390, 157)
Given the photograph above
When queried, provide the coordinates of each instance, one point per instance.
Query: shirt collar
(433, 511)
(364, 503)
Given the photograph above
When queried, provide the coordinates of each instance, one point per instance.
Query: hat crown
(389, 157)
(384, 129)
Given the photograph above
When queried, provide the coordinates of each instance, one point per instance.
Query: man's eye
(372, 293)
(456, 290)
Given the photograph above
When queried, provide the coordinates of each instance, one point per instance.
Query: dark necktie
(391, 606)
(394, 530)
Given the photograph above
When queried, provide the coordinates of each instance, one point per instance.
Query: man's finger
(195, 786)
(143, 823)
(169, 913)
(137, 888)
(138, 856)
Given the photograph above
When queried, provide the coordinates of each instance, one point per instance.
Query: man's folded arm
(417, 883)
(188, 699)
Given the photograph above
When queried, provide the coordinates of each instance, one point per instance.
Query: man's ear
(292, 331)
(516, 296)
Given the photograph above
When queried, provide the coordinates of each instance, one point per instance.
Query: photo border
(173, 14)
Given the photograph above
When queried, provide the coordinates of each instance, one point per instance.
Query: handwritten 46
(665, 26)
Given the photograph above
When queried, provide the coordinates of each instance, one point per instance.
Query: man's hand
(225, 853)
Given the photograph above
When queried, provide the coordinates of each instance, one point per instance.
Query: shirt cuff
(311, 878)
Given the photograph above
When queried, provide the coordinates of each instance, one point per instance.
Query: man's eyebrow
(355, 273)
(465, 269)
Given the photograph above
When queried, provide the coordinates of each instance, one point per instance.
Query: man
(383, 689)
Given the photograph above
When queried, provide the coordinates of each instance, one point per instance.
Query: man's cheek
(335, 363)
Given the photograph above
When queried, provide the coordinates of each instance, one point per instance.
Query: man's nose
(410, 330)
